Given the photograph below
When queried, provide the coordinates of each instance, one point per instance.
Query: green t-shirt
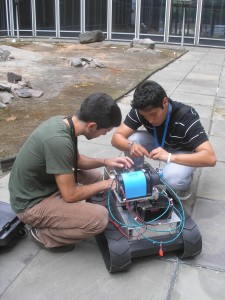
(48, 151)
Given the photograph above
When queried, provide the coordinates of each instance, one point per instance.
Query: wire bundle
(140, 223)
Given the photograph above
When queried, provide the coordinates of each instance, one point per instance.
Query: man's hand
(119, 162)
(159, 154)
(137, 150)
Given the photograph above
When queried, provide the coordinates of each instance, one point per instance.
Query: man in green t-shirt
(50, 178)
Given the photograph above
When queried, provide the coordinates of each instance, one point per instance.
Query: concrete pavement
(28, 272)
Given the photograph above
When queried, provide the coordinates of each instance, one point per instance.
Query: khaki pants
(61, 223)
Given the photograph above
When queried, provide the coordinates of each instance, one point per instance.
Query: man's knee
(176, 182)
(101, 217)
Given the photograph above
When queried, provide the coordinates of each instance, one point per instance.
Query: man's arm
(121, 142)
(204, 156)
(87, 163)
(73, 193)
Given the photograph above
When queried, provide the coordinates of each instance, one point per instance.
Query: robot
(146, 217)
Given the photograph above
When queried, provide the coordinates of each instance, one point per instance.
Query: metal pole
(17, 21)
(182, 38)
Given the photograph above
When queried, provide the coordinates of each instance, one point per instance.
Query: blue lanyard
(165, 129)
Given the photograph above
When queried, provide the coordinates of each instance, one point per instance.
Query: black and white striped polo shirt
(185, 131)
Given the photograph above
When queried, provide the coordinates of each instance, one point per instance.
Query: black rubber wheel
(113, 244)
(192, 239)
(115, 249)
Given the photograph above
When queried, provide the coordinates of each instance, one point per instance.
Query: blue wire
(182, 218)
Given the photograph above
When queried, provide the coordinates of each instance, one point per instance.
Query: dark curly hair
(148, 94)
(101, 109)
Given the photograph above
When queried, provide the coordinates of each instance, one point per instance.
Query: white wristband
(168, 159)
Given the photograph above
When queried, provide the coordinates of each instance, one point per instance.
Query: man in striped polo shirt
(172, 134)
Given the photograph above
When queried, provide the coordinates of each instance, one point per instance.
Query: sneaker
(184, 195)
(36, 239)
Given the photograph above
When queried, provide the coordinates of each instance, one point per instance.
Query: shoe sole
(60, 249)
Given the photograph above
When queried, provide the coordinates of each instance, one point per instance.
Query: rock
(143, 43)
(14, 78)
(76, 62)
(86, 62)
(91, 37)
(4, 54)
(28, 84)
(95, 63)
(5, 87)
(99, 64)
(86, 59)
(5, 97)
(36, 93)
(23, 92)
(2, 105)
(22, 83)
(14, 86)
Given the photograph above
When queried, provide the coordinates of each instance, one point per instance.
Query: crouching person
(50, 178)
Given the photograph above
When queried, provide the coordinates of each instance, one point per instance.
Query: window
(45, 14)
(3, 20)
(24, 15)
(152, 16)
(176, 19)
(213, 19)
(70, 15)
(123, 16)
(96, 15)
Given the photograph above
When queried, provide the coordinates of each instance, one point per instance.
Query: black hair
(148, 94)
(101, 109)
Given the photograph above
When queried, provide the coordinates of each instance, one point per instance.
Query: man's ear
(165, 102)
(92, 126)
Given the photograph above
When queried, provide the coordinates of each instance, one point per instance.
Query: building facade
(185, 22)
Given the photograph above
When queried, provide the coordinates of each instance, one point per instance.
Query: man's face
(93, 133)
(155, 116)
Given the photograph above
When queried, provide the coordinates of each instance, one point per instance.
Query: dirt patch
(47, 67)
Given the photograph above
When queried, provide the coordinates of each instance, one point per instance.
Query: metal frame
(11, 26)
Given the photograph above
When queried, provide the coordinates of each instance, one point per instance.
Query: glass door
(212, 29)
(123, 19)
(3, 18)
(22, 14)
(69, 18)
(45, 18)
(182, 22)
(152, 19)
(96, 15)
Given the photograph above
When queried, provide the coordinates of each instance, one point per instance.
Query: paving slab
(221, 91)
(220, 101)
(81, 274)
(162, 75)
(218, 144)
(196, 88)
(14, 259)
(209, 216)
(218, 127)
(198, 283)
(211, 79)
(211, 183)
(191, 98)
(98, 150)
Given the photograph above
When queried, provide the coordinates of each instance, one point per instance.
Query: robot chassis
(146, 217)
